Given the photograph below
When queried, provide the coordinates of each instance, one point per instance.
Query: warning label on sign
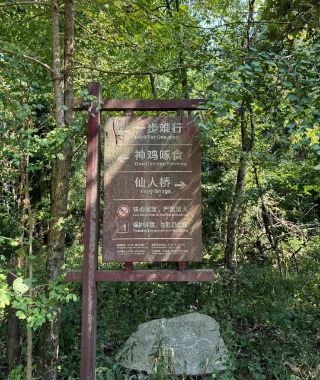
(123, 211)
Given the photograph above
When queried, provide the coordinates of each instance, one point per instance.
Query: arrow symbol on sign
(182, 185)
(137, 127)
(123, 158)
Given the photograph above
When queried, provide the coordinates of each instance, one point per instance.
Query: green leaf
(287, 84)
(19, 286)
(4, 299)
(203, 126)
(293, 97)
(14, 243)
(221, 113)
(291, 124)
(21, 315)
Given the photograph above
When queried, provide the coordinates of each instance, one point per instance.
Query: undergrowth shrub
(270, 323)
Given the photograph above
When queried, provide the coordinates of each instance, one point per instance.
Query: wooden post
(91, 240)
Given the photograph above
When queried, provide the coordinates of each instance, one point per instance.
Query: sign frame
(90, 274)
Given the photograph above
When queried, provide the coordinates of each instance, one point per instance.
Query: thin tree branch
(90, 31)
(27, 57)
(77, 150)
(133, 73)
(153, 86)
(46, 4)
(113, 72)
(33, 17)
(99, 36)
(235, 23)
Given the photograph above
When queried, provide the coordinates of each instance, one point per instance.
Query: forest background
(257, 65)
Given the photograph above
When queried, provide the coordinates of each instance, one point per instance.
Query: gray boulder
(189, 344)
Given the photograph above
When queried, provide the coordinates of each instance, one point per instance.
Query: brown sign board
(152, 192)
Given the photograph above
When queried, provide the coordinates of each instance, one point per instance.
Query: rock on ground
(189, 344)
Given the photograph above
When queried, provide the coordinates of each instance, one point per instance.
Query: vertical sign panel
(152, 193)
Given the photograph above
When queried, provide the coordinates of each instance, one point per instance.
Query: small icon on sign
(123, 211)
(123, 227)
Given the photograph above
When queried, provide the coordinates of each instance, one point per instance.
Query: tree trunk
(13, 352)
(29, 350)
(233, 217)
(63, 92)
(247, 142)
(269, 225)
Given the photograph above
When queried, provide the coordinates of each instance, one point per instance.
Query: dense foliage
(257, 65)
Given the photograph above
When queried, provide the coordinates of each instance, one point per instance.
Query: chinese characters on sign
(152, 195)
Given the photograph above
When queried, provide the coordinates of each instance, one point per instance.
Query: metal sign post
(152, 200)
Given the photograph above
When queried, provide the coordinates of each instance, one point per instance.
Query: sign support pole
(91, 239)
